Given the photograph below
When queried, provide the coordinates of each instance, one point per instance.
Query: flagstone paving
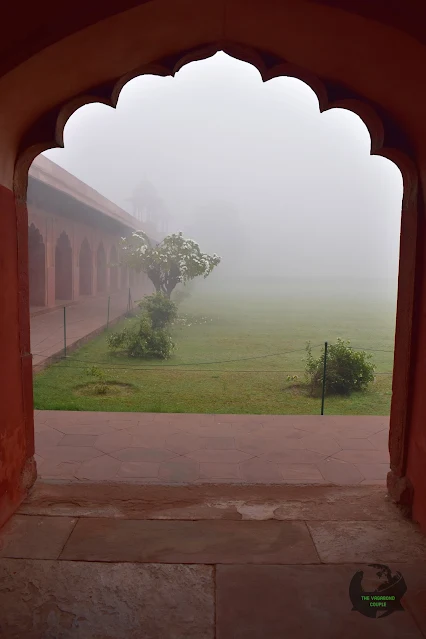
(226, 561)
(82, 319)
(188, 448)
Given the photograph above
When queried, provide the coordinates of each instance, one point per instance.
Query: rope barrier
(223, 361)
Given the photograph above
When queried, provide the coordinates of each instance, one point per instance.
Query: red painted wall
(17, 471)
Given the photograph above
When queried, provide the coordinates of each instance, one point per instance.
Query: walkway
(202, 562)
(188, 448)
(82, 319)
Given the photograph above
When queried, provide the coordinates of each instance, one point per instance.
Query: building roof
(46, 171)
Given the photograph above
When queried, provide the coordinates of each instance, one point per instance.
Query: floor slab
(368, 541)
(302, 602)
(36, 537)
(194, 542)
(77, 600)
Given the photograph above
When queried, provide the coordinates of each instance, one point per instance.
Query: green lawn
(198, 380)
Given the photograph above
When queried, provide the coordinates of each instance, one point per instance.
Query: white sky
(301, 187)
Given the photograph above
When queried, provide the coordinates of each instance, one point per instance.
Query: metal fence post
(65, 331)
(109, 299)
(324, 377)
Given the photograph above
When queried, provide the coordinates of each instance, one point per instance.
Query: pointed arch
(85, 268)
(101, 269)
(63, 268)
(113, 269)
(37, 267)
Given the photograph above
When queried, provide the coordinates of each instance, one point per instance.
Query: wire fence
(116, 310)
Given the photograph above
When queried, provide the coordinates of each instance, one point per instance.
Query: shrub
(101, 386)
(160, 310)
(347, 370)
(142, 341)
(119, 339)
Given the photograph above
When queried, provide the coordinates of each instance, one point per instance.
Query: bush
(347, 370)
(142, 341)
(101, 386)
(159, 309)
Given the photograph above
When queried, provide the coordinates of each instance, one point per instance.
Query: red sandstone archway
(37, 267)
(113, 269)
(369, 55)
(85, 268)
(381, 131)
(63, 268)
(101, 269)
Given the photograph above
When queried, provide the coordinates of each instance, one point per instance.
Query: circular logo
(377, 593)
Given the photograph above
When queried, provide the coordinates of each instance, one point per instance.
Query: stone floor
(82, 319)
(183, 448)
(120, 561)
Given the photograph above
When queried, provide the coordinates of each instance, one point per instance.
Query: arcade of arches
(67, 239)
(365, 56)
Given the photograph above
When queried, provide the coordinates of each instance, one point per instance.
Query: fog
(253, 172)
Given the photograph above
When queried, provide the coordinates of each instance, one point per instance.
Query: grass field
(198, 379)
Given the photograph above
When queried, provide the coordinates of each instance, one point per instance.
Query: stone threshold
(211, 524)
(209, 501)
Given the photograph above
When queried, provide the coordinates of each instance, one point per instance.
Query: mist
(289, 198)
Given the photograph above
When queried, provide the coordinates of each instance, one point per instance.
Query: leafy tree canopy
(174, 260)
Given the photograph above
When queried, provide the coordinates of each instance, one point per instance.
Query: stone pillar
(414, 484)
(407, 439)
(17, 466)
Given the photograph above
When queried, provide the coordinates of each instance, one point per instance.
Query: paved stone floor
(167, 448)
(120, 561)
(47, 329)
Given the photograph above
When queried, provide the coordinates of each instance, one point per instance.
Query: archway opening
(276, 317)
(85, 268)
(37, 267)
(113, 269)
(63, 268)
(101, 269)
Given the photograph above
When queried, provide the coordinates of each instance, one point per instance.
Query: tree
(172, 261)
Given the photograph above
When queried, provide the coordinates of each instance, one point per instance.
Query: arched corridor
(37, 265)
(63, 268)
(101, 269)
(85, 268)
(113, 269)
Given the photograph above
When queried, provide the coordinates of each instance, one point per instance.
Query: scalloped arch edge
(47, 132)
